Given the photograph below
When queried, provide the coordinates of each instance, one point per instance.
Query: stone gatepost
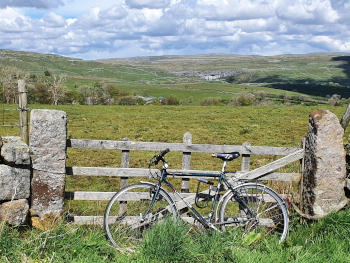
(48, 138)
(325, 167)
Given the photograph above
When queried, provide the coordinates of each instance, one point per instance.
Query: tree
(47, 73)
(39, 93)
(56, 88)
(8, 79)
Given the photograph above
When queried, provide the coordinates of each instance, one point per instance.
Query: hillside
(313, 74)
(194, 78)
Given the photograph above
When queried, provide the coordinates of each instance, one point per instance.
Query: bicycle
(255, 208)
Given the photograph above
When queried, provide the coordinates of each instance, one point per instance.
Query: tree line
(48, 88)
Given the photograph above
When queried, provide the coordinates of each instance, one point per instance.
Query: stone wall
(15, 177)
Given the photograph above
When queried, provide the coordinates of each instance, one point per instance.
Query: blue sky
(93, 29)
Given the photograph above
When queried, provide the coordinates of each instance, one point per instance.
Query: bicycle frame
(221, 180)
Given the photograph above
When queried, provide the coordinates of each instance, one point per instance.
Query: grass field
(268, 125)
(325, 241)
(259, 125)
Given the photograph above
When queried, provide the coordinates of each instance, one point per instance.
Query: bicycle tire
(122, 220)
(270, 212)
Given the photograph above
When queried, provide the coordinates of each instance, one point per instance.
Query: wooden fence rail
(266, 172)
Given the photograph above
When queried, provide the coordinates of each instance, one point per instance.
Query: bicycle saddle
(226, 156)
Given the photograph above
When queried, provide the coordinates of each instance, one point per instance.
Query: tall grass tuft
(167, 241)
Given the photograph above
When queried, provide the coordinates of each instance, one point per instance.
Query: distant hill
(318, 74)
(192, 78)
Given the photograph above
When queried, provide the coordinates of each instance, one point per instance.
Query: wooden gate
(266, 172)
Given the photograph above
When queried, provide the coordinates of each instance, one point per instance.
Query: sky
(95, 29)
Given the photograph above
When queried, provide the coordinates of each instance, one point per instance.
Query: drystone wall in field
(14, 180)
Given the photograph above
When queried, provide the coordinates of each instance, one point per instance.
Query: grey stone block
(14, 183)
(14, 212)
(325, 166)
(48, 129)
(15, 151)
(47, 193)
(48, 159)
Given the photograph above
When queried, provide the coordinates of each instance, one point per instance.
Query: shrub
(140, 101)
(39, 94)
(334, 100)
(172, 100)
(127, 100)
(211, 101)
(47, 73)
(260, 96)
(244, 99)
(230, 79)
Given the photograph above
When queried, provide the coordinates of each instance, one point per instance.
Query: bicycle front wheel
(123, 220)
(255, 209)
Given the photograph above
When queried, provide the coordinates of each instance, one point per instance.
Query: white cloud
(123, 28)
(307, 11)
(12, 21)
(152, 4)
(53, 20)
(234, 9)
(44, 4)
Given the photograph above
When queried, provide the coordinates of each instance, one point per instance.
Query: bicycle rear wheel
(123, 222)
(268, 213)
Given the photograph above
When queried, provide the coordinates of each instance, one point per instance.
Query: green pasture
(259, 125)
(326, 241)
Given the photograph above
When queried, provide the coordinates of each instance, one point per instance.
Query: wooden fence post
(186, 163)
(245, 158)
(23, 110)
(124, 180)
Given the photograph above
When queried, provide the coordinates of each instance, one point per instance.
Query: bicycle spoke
(130, 225)
(263, 210)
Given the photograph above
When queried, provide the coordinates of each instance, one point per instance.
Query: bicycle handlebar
(160, 156)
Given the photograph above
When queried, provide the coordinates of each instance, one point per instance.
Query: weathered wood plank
(23, 113)
(143, 172)
(125, 164)
(135, 196)
(258, 172)
(98, 220)
(245, 164)
(186, 163)
(178, 147)
(124, 180)
(101, 196)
